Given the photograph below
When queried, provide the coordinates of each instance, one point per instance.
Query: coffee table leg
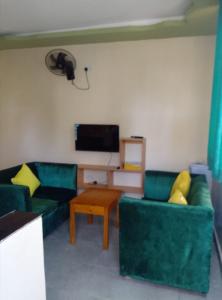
(72, 229)
(90, 219)
(106, 230)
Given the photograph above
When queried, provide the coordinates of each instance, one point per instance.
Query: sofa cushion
(26, 177)
(52, 174)
(42, 206)
(182, 183)
(158, 184)
(199, 192)
(178, 198)
(59, 194)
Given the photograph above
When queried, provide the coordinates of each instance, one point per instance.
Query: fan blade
(53, 67)
(60, 62)
(53, 58)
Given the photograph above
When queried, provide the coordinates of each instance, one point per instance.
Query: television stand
(110, 170)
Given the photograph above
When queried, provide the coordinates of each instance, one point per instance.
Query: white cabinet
(22, 274)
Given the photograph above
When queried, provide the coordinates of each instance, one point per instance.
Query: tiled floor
(86, 272)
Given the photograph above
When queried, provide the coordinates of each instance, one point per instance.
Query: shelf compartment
(126, 189)
(110, 170)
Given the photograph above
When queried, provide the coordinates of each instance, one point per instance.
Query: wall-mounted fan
(63, 63)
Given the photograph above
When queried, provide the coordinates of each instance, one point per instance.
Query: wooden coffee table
(98, 202)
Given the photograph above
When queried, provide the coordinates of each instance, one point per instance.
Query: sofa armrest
(166, 243)
(58, 175)
(14, 197)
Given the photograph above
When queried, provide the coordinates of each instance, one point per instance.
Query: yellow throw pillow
(178, 198)
(182, 183)
(26, 177)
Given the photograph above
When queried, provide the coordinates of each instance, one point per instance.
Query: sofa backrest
(199, 192)
(158, 184)
(7, 174)
(57, 174)
(49, 174)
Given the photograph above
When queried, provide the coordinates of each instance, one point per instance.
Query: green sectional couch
(167, 243)
(58, 186)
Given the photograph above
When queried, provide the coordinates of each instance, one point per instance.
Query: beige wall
(159, 89)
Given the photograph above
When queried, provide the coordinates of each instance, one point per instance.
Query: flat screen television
(90, 137)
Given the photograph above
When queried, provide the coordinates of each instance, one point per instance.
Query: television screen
(103, 138)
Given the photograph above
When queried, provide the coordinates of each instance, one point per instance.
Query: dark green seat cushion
(43, 206)
(57, 175)
(158, 184)
(60, 195)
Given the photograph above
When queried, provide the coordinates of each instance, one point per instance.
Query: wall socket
(89, 67)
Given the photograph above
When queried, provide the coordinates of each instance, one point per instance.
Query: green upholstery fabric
(199, 192)
(167, 243)
(158, 184)
(58, 194)
(43, 206)
(57, 175)
(53, 199)
(7, 174)
(32, 166)
(54, 218)
(14, 197)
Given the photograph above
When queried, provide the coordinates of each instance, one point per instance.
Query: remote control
(136, 137)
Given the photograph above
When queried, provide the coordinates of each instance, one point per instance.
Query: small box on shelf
(132, 166)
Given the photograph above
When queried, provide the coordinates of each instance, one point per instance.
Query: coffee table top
(97, 197)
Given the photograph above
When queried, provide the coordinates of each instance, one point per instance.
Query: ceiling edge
(200, 19)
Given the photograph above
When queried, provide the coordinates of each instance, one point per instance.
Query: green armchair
(167, 243)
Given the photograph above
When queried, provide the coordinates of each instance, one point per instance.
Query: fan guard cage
(50, 64)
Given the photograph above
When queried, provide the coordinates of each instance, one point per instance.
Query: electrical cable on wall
(63, 63)
(87, 80)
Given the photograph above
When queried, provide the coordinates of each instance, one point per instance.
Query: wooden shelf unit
(142, 142)
(110, 170)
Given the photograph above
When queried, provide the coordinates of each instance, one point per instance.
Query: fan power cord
(87, 80)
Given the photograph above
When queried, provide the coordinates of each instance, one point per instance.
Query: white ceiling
(29, 16)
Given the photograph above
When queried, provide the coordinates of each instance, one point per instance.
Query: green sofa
(58, 186)
(167, 243)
